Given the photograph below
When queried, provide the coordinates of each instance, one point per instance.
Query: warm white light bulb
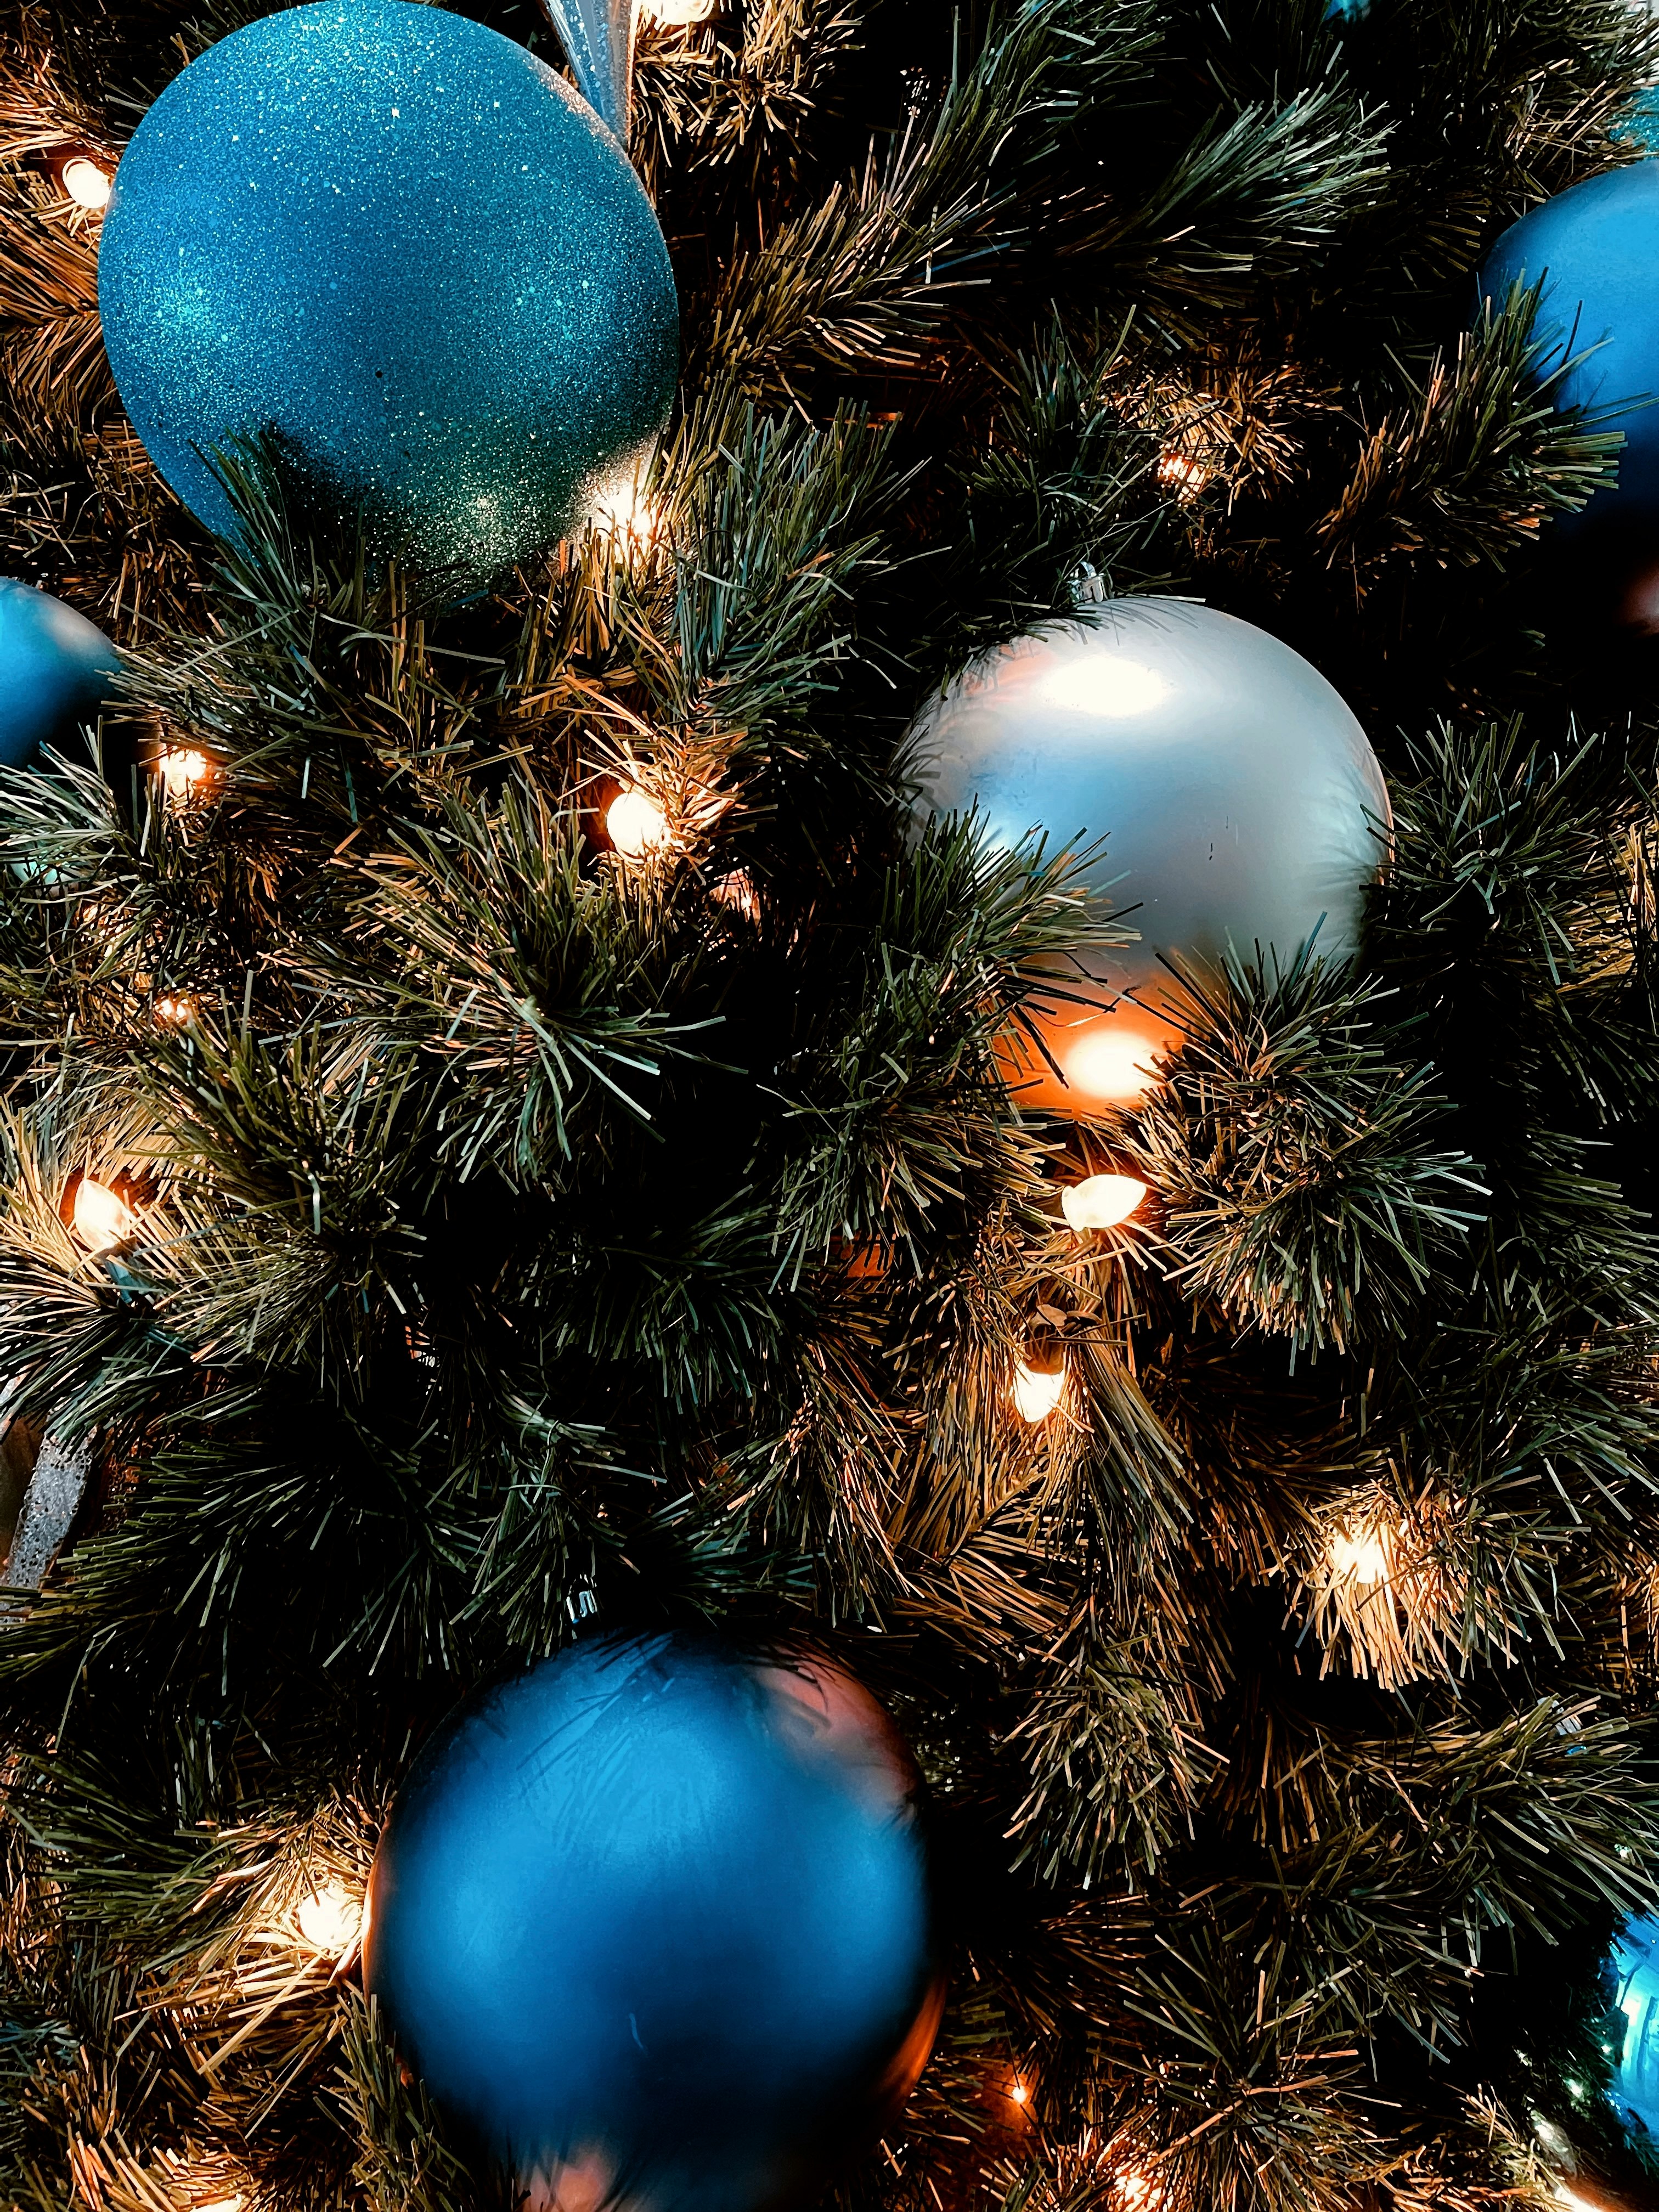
(1101, 1201)
(1138, 2191)
(1360, 1556)
(635, 824)
(1113, 1065)
(182, 770)
(175, 1012)
(87, 184)
(1019, 2093)
(677, 12)
(102, 1219)
(1036, 1391)
(329, 1920)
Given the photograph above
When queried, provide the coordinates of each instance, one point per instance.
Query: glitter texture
(401, 247)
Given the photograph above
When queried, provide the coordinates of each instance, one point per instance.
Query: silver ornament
(1240, 800)
(598, 37)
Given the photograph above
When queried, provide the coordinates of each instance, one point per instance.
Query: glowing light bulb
(87, 184)
(1104, 684)
(175, 1013)
(677, 12)
(181, 771)
(1138, 2191)
(1110, 1064)
(1019, 2093)
(621, 503)
(1101, 1201)
(1181, 473)
(1360, 1555)
(1036, 1391)
(102, 1218)
(635, 824)
(329, 1920)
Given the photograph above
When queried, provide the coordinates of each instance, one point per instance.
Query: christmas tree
(445, 1216)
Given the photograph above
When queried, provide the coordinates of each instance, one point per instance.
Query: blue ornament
(1595, 248)
(1636, 2074)
(56, 668)
(397, 246)
(653, 1920)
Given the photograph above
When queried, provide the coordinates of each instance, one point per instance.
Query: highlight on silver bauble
(1240, 806)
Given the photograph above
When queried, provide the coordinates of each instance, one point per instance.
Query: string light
(1036, 1390)
(635, 824)
(1360, 1555)
(329, 1920)
(1182, 473)
(102, 1218)
(621, 503)
(86, 183)
(1019, 2093)
(1101, 1201)
(678, 13)
(1138, 2191)
(182, 770)
(175, 1013)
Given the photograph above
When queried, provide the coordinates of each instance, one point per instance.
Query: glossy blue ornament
(653, 1920)
(402, 249)
(1595, 248)
(56, 668)
(1636, 2076)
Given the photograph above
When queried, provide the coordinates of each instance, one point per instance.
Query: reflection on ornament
(102, 1218)
(182, 770)
(1223, 800)
(1104, 1059)
(1036, 1390)
(1359, 1555)
(635, 824)
(86, 183)
(1636, 2078)
(1101, 1201)
(330, 1919)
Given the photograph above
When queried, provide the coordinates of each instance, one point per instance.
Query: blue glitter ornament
(56, 668)
(401, 249)
(1595, 248)
(653, 1920)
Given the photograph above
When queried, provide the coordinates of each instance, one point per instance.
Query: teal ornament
(1594, 249)
(401, 251)
(653, 1922)
(598, 37)
(56, 668)
(1634, 2086)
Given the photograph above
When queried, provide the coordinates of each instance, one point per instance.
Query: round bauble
(1240, 801)
(653, 1920)
(56, 671)
(1595, 248)
(1635, 2017)
(399, 249)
